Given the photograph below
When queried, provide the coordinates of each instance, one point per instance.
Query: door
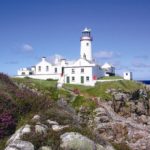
(68, 80)
(82, 79)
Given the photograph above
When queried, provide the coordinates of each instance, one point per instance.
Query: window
(47, 68)
(55, 70)
(23, 73)
(87, 44)
(39, 68)
(73, 71)
(73, 79)
(82, 70)
(87, 78)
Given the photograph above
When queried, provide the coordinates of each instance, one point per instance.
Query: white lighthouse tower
(86, 46)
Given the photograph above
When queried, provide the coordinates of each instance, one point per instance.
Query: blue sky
(30, 29)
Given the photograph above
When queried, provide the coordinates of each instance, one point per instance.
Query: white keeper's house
(83, 71)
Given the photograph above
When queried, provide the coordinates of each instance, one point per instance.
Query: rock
(45, 148)
(111, 91)
(52, 122)
(100, 111)
(140, 108)
(143, 119)
(20, 145)
(120, 131)
(20, 132)
(11, 148)
(143, 94)
(120, 96)
(41, 129)
(76, 141)
(26, 129)
(36, 118)
(59, 127)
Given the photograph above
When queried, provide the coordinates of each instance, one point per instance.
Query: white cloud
(27, 48)
(106, 54)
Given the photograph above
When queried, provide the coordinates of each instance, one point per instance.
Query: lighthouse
(86, 45)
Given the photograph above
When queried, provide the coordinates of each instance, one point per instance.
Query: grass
(3, 143)
(111, 78)
(81, 101)
(99, 90)
(47, 87)
(36, 83)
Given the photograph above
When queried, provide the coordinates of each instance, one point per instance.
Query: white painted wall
(127, 75)
(23, 71)
(77, 75)
(86, 49)
(42, 77)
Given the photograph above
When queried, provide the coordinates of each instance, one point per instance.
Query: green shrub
(81, 101)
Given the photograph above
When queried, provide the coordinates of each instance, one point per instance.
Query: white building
(83, 71)
(109, 70)
(127, 75)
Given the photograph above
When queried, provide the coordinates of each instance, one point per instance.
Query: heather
(16, 104)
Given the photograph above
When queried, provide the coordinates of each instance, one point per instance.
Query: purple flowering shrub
(7, 114)
(7, 124)
(16, 102)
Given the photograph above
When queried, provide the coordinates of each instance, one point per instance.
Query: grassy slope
(34, 83)
(100, 89)
(54, 112)
(44, 86)
(111, 78)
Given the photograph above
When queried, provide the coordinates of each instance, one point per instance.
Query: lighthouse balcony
(86, 38)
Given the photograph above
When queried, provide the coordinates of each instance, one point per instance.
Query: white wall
(86, 48)
(52, 69)
(77, 74)
(42, 77)
(23, 71)
(127, 75)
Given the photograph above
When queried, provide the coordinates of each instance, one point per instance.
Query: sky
(31, 29)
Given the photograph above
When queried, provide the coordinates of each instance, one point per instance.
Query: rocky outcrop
(76, 141)
(126, 104)
(20, 145)
(118, 129)
(41, 129)
(45, 148)
(27, 136)
(59, 127)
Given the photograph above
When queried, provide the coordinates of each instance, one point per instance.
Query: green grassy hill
(99, 90)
